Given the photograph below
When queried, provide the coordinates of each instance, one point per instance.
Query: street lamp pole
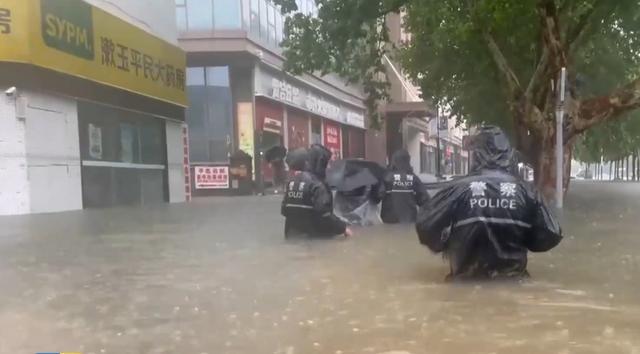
(560, 139)
(439, 157)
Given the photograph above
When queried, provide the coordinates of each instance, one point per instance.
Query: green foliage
(611, 141)
(448, 56)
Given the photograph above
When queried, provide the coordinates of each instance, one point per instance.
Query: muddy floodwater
(216, 276)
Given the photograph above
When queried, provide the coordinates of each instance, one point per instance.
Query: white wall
(154, 16)
(175, 162)
(53, 153)
(14, 186)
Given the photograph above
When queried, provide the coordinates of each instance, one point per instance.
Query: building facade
(412, 123)
(241, 100)
(92, 110)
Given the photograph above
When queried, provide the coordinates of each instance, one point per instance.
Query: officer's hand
(348, 232)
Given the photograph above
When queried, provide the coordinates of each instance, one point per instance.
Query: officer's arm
(284, 201)
(545, 232)
(378, 192)
(420, 190)
(437, 217)
(323, 207)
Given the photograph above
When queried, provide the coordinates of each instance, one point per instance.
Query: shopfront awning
(74, 38)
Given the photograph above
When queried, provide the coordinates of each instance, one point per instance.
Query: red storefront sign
(332, 140)
(212, 177)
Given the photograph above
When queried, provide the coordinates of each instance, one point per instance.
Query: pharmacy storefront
(291, 113)
(308, 115)
(92, 113)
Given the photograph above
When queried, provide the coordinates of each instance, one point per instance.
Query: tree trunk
(637, 167)
(545, 169)
(626, 170)
(610, 170)
(601, 171)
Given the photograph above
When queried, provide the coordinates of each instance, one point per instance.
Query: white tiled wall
(53, 153)
(14, 186)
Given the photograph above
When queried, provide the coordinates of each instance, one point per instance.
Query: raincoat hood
(318, 158)
(297, 159)
(401, 162)
(491, 150)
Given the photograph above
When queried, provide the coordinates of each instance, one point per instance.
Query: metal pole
(560, 140)
(439, 158)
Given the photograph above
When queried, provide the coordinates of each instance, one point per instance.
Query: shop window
(279, 27)
(181, 15)
(271, 23)
(217, 76)
(255, 18)
(199, 14)
(129, 146)
(226, 14)
(197, 114)
(263, 20)
(195, 76)
(123, 156)
(316, 131)
(346, 148)
(210, 114)
(151, 143)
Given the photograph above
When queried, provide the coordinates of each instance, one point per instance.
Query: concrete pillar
(14, 185)
(175, 162)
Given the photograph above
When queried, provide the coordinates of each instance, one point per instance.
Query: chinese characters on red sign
(332, 140)
(212, 177)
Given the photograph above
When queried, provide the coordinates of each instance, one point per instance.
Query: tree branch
(551, 33)
(538, 74)
(601, 109)
(503, 66)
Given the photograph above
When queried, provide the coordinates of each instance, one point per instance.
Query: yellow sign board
(75, 38)
(245, 127)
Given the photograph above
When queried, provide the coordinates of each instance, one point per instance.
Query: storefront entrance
(123, 157)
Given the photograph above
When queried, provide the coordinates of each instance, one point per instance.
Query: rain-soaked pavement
(216, 277)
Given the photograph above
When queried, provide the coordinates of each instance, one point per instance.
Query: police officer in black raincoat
(308, 203)
(485, 223)
(401, 192)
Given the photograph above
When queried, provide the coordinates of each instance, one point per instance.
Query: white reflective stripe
(400, 191)
(326, 214)
(298, 206)
(492, 221)
(122, 165)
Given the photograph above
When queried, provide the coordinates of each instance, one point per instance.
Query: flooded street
(216, 276)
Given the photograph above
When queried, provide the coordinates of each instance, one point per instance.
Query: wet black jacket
(308, 202)
(401, 192)
(485, 223)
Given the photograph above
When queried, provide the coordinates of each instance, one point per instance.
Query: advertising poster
(245, 127)
(212, 177)
(332, 140)
(95, 142)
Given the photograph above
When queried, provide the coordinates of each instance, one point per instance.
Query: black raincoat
(485, 223)
(308, 203)
(401, 192)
